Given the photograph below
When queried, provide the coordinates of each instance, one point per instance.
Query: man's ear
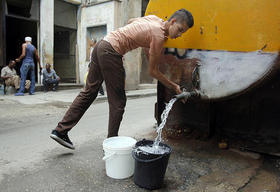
(173, 20)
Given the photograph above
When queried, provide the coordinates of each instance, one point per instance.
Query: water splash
(155, 148)
(164, 116)
(150, 149)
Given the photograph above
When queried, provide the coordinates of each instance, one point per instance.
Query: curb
(52, 99)
(129, 96)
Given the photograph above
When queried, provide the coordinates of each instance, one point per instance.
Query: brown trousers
(106, 65)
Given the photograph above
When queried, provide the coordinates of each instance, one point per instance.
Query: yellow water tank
(231, 25)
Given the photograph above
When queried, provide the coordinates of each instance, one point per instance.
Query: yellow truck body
(231, 25)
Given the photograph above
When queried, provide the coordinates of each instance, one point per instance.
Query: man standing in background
(28, 52)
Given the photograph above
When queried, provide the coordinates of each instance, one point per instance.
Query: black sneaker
(62, 139)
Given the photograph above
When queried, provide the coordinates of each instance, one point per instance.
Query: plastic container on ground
(118, 159)
(150, 169)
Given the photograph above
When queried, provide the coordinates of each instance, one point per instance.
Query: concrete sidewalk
(68, 96)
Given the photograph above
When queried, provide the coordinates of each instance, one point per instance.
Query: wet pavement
(31, 161)
(193, 166)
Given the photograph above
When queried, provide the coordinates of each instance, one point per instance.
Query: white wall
(46, 31)
(76, 2)
(131, 9)
(114, 14)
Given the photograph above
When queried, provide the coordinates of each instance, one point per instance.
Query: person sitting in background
(50, 78)
(9, 75)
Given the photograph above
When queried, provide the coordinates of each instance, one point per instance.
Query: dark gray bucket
(150, 169)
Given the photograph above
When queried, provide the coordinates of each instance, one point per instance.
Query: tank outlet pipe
(183, 95)
(186, 95)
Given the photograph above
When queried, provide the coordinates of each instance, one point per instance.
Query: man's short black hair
(183, 15)
(11, 60)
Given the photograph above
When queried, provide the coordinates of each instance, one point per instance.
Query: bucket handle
(108, 156)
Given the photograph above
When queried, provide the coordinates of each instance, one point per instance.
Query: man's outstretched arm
(155, 72)
(38, 60)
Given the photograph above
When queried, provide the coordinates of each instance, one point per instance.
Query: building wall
(132, 60)
(91, 13)
(88, 17)
(65, 40)
(65, 14)
(76, 2)
(46, 35)
(46, 31)
(113, 14)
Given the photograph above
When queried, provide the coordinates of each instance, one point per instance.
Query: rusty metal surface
(252, 115)
(178, 70)
(184, 117)
(221, 74)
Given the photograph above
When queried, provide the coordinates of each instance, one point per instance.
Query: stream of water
(156, 148)
(164, 116)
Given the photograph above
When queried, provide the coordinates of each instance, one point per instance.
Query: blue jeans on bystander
(24, 69)
(53, 83)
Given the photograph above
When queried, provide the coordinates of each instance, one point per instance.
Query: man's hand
(177, 89)
(17, 60)
(5, 77)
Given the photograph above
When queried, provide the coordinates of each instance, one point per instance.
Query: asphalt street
(31, 161)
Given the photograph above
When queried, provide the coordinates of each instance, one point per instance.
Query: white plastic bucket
(118, 158)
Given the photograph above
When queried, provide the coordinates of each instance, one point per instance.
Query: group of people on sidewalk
(10, 77)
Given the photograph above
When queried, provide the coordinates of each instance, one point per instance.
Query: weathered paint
(232, 25)
(224, 73)
(113, 14)
(46, 31)
(76, 2)
(131, 9)
(65, 14)
(92, 16)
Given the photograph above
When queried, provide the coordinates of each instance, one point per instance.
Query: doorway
(65, 40)
(65, 53)
(16, 30)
